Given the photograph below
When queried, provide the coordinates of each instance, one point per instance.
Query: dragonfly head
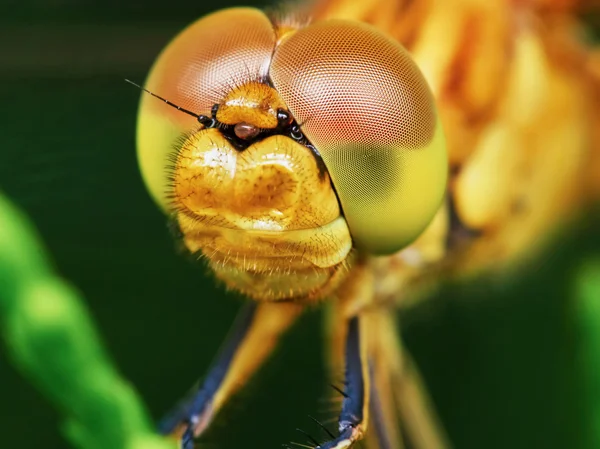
(286, 149)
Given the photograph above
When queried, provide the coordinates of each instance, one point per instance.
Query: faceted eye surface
(365, 105)
(194, 72)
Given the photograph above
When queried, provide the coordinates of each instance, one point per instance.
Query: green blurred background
(503, 358)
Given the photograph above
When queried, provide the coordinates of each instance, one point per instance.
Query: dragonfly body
(305, 166)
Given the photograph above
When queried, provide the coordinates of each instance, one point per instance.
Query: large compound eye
(194, 72)
(366, 107)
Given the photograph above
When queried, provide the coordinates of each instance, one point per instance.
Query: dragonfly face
(287, 156)
(252, 196)
(311, 141)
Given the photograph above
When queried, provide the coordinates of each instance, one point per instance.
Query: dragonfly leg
(385, 432)
(348, 335)
(393, 398)
(398, 391)
(352, 421)
(251, 340)
(367, 393)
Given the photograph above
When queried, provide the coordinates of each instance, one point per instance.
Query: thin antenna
(206, 121)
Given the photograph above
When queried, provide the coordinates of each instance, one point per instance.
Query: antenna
(203, 119)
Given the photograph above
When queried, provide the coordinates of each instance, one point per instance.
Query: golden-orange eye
(366, 107)
(196, 71)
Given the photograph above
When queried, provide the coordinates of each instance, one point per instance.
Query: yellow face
(307, 143)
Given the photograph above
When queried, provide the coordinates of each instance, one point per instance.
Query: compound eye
(367, 108)
(195, 71)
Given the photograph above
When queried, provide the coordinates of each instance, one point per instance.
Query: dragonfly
(351, 156)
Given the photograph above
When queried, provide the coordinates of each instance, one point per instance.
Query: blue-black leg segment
(190, 410)
(354, 401)
(353, 404)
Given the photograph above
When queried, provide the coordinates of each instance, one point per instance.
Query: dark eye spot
(245, 131)
(283, 117)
